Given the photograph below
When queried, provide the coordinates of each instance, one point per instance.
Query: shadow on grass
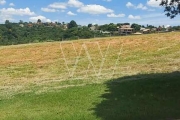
(141, 97)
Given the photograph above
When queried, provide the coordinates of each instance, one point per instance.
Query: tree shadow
(141, 97)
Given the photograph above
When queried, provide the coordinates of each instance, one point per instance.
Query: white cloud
(2, 2)
(94, 9)
(42, 18)
(139, 6)
(71, 13)
(134, 17)
(63, 5)
(115, 16)
(129, 4)
(75, 3)
(48, 10)
(58, 5)
(11, 4)
(90, 9)
(154, 3)
(8, 13)
(5, 17)
(17, 12)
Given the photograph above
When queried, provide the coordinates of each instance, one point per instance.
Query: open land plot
(47, 80)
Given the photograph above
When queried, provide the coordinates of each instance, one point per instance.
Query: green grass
(138, 97)
(142, 97)
(34, 83)
(65, 104)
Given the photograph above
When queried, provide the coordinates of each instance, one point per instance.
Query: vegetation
(172, 7)
(141, 97)
(136, 27)
(72, 24)
(14, 33)
(35, 84)
(23, 32)
(151, 96)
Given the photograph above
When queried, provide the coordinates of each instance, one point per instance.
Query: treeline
(21, 33)
(28, 32)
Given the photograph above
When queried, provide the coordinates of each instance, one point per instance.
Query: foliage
(136, 27)
(172, 8)
(72, 24)
(150, 26)
(108, 27)
(39, 21)
(28, 32)
(90, 25)
(14, 33)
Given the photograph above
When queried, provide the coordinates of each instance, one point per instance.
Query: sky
(100, 12)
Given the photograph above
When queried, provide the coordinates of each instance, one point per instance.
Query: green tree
(21, 22)
(39, 21)
(126, 23)
(136, 27)
(7, 22)
(104, 27)
(150, 26)
(172, 7)
(112, 27)
(89, 25)
(72, 24)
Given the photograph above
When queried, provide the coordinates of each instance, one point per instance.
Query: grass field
(130, 77)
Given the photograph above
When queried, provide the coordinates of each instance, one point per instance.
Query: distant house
(21, 25)
(65, 26)
(105, 32)
(145, 30)
(142, 28)
(93, 28)
(153, 29)
(125, 29)
(30, 25)
(167, 28)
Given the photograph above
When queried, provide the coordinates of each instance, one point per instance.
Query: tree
(72, 24)
(172, 8)
(150, 26)
(21, 22)
(126, 23)
(142, 26)
(112, 27)
(90, 25)
(39, 21)
(104, 27)
(7, 22)
(136, 27)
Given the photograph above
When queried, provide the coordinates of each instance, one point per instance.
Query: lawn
(130, 77)
(138, 97)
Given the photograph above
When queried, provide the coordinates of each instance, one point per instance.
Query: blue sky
(86, 11)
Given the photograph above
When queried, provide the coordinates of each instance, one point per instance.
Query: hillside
(44, 68)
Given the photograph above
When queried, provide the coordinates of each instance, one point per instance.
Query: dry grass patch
(23, 65)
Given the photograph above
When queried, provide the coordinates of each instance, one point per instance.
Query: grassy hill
(130, 77)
